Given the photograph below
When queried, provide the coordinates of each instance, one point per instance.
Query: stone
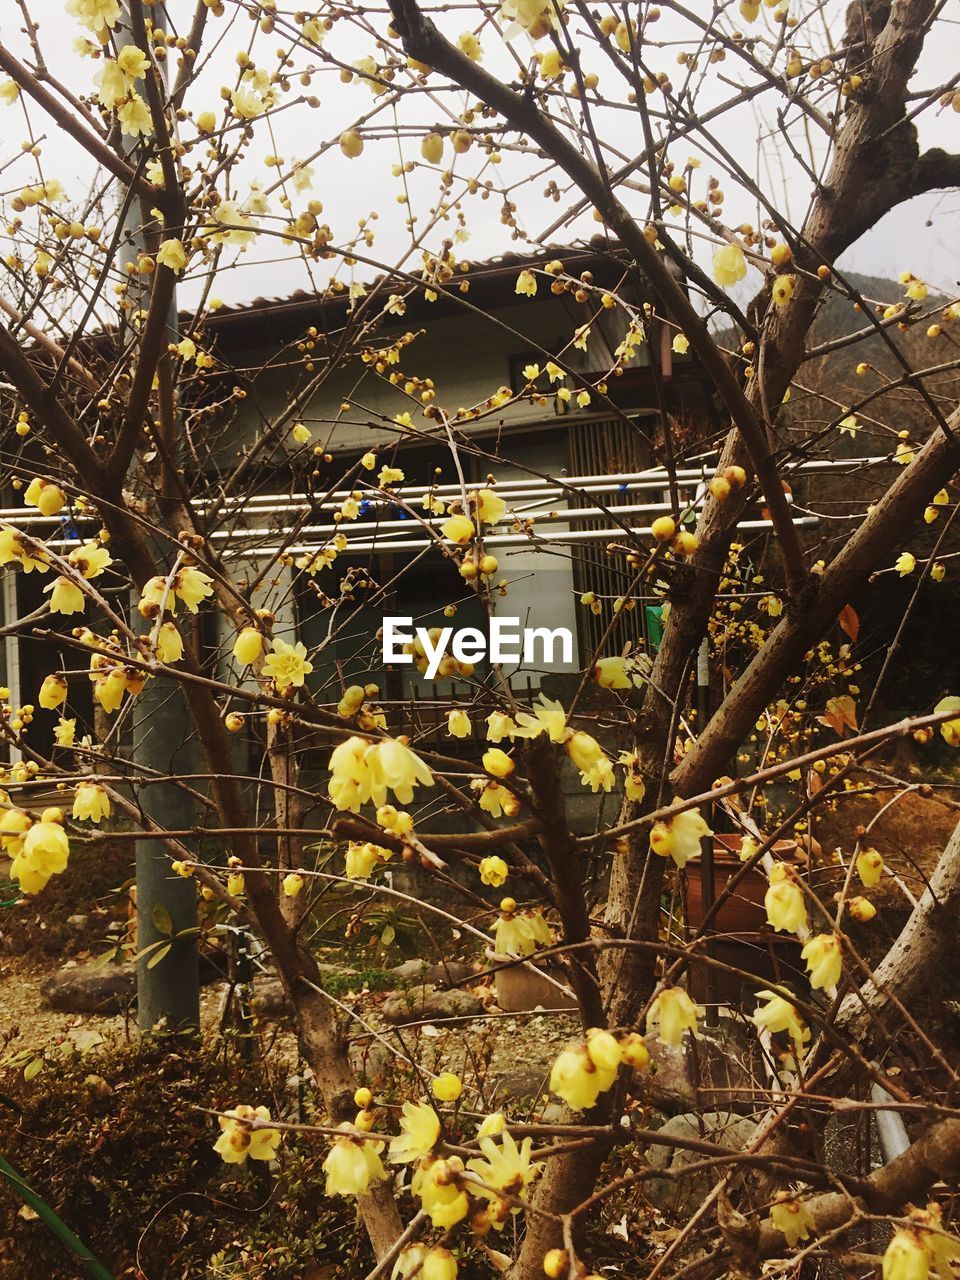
(714, 1070)
(522, 1084)
(269, 999)
(91, 988)
(680, 1195)
(438, 975)
(427, 1004)
(78, 922)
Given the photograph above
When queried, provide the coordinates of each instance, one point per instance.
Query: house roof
(491, 284)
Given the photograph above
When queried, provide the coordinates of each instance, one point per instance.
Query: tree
(495, 101)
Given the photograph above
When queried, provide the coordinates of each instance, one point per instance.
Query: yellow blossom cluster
(363, 771)
(582, 1072)
(39, 848)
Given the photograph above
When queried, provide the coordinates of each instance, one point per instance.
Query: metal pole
(708, 892)
(168, 989)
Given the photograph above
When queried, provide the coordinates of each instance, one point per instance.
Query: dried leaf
(849, 622)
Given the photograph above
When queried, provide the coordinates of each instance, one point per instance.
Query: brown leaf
(849, 622)
(840, 714)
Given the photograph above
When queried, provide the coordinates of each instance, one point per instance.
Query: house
(468, 343)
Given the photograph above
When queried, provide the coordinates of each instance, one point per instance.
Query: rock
(373, 1062)
(427, 1004)
(682, 1195)
(78, 922)
(524, 1083)
(269, 998)
(438, 975)
(715, 1070)
(91, 988)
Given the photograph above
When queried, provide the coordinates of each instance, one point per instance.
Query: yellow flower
(95, 15)
(439, 1264)
(612, 673)
(634, 1052)
(499, 726)
(238, 1140)
(458, 724)
(792, 1219)
(361, 858)
(192, 586)
(231, 226)
(13, 548)
(782, 290)
(506, 1167)
(517, 935)
(490, 506)
(824, 957)
(535, 17)
(469, 45)
(53, 692)
(633, 782)
(44, 853)
(397, 822)
(575, 1079)
(46, 496)
(247, 103)
(861, 909)
(287, 664)
(65, 733)
(236, 884)
(493, 871)
(351, 1166)
(65, 596)
(442, 1197)
(680, 838)
(248, 646)
(905, 564)
(950, 729)
(133, 62)
(109, 690)
(172, 254)
(292, 884)
(526, 284)
(905, 1257)
(584, 750)
(9, 92)
(729, 265)
(870, 867)
(497, 763)
(90, 801)
(673, 1013)
(90, 559)
(548, 717)
(169, 643)
(459, 529)
(362, 771)
(783, 902)
(420, 1129)
(446, 1087)
(779, 1014)
(134, 117)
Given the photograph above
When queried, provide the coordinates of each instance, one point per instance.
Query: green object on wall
(653, 616)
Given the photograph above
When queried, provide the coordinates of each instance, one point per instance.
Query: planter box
(742, 938)
(523, 988)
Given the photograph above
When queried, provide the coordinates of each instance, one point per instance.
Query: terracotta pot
(743, 938)
(743, 911)
(522, 987)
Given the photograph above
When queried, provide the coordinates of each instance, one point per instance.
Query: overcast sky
(351, 190)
